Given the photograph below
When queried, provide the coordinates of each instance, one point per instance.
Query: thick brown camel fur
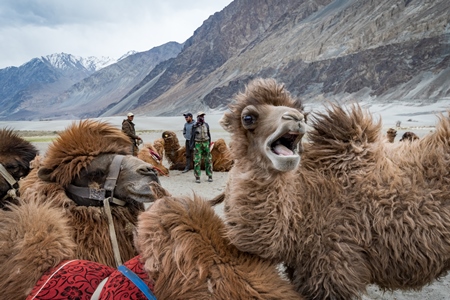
(391, 134)
(81, 157)
(356, 211)
(159, 146)
(34, 237)
(15, 156)
(149, 154)
(181, 242)
(176, 154)
(184, 249)
(409, 136)
(221, 156)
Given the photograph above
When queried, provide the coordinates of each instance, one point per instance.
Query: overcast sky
(34, 28)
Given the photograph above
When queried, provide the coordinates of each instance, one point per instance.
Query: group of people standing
(197, 145)
(198, 141)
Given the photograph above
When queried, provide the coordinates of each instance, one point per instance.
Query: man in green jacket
(200, 142)
(128, 129)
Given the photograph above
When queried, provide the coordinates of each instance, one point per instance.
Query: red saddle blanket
(78, 280)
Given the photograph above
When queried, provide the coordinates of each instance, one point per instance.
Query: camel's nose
(148, 170)
(302, 125)
(297, 117)
(294, 115)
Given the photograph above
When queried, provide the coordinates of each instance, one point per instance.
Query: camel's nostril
(146, 170)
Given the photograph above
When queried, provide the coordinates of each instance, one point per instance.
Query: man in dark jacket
(200, 142)
(128, 129)
(187, 132)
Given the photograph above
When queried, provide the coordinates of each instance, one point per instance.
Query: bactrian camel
(345, 210)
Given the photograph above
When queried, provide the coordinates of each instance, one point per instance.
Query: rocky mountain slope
(104, 88)
(24, 87)
(66, 86)
(338, 50)
(342, 50)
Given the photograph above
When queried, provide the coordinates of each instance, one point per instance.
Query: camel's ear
(226, 122)
(44, 174)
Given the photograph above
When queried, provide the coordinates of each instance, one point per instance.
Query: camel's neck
(259, 211)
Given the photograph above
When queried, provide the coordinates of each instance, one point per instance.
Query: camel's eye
(248, 120)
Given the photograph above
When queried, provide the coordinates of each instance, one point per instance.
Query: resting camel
(345, 217)
(183, 255)
(391, 134)
(176, 154)
(89, 162)
(150, 155)
(15, 157)
(409, 137)
(159, 146)
(221, 156)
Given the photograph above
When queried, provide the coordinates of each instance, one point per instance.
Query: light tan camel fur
(149, 154)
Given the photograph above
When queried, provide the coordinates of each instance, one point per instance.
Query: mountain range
(371, 51)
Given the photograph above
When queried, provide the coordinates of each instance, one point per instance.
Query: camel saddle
(85, 280)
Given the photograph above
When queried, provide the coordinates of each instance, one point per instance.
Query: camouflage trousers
(201, 150)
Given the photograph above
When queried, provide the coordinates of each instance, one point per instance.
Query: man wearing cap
(200, 141)
(187, 132)
(128, 129)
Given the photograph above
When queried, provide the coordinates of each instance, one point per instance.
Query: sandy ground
(179, 184)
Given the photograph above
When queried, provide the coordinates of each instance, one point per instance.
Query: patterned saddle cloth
(78, 279)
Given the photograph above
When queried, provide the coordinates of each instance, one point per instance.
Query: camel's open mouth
(155, 156)
(286, 145)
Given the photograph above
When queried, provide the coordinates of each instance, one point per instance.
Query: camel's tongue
(282, 150)
(155, 155)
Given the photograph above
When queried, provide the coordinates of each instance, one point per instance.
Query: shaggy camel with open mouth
(339, 212)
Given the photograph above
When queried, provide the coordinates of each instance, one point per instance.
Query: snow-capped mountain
(65, 61)
(68, 82)
(131, 52)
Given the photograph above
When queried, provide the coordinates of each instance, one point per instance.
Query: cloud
(34, 28)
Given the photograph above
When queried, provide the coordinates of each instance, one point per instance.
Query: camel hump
(348, 125)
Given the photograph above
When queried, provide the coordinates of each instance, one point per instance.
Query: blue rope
(137, 281)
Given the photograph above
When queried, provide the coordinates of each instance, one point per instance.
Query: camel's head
(391, 134)
(82, 156)
(159, 146)
(149, 154)
(15, 157)
(168, 136)
(409, 137)
(266, 126)
(153, 152)
(170, 139)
